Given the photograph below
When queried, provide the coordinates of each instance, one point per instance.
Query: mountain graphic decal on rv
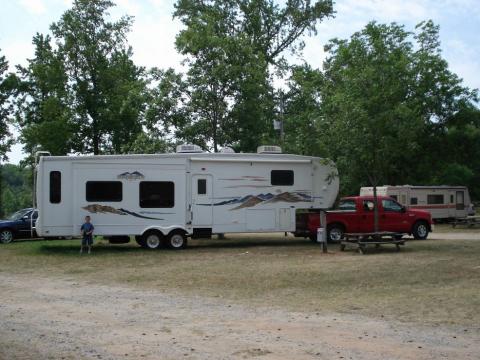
(253, 200)
(104, 209)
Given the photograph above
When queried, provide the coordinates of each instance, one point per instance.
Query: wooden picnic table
(362, 240)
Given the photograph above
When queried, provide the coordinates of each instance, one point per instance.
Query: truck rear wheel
(177, 240)
(335, 233)
(420, 230)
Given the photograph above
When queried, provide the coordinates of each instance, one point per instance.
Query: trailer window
(413, 201)
(202, 186)
(157, 194)
(55, 187)
(434, 199)
(110, 191)
(281, 177)
(451, 199)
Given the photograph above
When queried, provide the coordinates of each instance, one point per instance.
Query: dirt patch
(53, 317)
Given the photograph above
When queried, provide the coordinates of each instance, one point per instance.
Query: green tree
(43, 110)
(5, 110)
(106, 88)
(303, 111)
(17, 192)
(384, 98)
(233, 48)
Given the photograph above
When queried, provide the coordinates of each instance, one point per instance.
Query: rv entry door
(460, 200)
(202, 200)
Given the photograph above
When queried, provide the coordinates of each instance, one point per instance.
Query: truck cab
(355, 214)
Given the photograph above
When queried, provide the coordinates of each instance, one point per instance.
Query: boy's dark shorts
(87, 241)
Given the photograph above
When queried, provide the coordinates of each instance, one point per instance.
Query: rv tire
(177, 240)
(152, 240)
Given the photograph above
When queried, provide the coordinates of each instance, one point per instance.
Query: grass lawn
(431, 282)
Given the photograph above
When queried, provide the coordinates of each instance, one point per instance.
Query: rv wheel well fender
(178, 231)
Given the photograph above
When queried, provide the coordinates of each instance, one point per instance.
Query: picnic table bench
(469, 221)
(362, 240)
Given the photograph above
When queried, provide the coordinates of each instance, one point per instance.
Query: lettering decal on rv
(253, 200)
(104, 209)
(131, 176)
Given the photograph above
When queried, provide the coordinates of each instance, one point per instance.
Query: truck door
(202, 200)
(366, 221)
(392, 217)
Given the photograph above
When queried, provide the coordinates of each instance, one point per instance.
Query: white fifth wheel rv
(443, 202)
(164, 198)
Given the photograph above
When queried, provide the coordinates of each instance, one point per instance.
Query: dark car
(18, 226)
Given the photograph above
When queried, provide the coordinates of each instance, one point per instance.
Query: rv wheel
(177, 240)
(152, 240)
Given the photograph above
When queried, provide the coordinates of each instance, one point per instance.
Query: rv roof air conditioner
(227, 150)
(269, 149)
(187, 148)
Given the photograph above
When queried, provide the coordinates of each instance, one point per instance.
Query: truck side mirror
(25, 218)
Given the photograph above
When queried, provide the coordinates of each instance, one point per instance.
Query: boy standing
(87, 234)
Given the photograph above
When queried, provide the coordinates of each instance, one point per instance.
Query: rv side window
(413, 201)
(451, 199)
(202, 186)
(104, 191)
(55, 187)
(157, 194)
(434, 199)
(281, 177)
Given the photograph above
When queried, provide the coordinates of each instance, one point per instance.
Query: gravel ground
(62, 318)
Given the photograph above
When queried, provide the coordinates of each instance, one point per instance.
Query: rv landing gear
(150, 240)
(177, 240)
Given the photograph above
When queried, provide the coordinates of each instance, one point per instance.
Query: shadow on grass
(75, 249)
(251, 243)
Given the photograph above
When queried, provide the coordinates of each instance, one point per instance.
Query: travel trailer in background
(443, 202)
(164, 198)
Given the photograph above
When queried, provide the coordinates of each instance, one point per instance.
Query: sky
(153, 32)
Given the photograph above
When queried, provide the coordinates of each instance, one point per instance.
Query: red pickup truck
(356, 215)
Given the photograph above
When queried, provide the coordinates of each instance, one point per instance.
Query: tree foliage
(231, 48)
(5, 110)
(105, 86)
(385, 96)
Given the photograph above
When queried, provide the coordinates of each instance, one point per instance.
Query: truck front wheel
(335, 233)
(420, 230)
